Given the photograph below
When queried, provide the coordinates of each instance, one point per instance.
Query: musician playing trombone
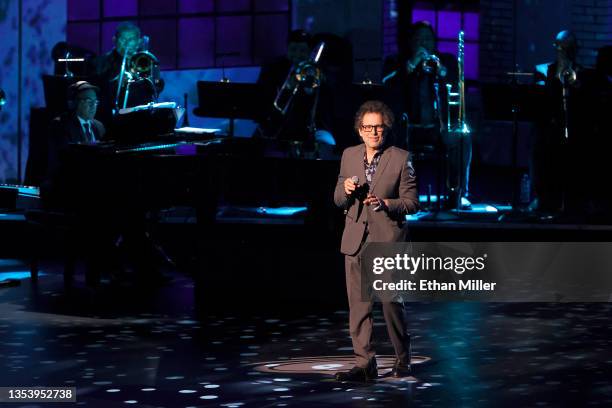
(128, 44)
(420, 74)
(305, 115)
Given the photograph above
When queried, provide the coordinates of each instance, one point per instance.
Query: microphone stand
(566, 81)
(517, 213)
(120, 82)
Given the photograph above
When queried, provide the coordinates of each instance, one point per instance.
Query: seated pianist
(76, 126)
(102, 223)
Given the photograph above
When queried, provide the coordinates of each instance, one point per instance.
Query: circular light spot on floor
(113, 390)
(131, 402)
(187, 391)
(327, 366)
(186, 322)
(211, 386)
(282, 379)
(208, 397)
(175, 377)
(147, 389)
(281, 389)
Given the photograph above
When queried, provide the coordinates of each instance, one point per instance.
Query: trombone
(306, 75)
(135, 66)
(457, 99)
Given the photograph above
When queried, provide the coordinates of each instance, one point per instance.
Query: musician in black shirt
(309, 107)
(127, 41)
(418, 77)
(563, 147)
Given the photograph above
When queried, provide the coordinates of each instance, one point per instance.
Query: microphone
(355, 180)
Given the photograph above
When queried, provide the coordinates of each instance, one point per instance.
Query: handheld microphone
(355, 180)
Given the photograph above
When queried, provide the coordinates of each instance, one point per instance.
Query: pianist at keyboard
(78, 125)
(101, 226)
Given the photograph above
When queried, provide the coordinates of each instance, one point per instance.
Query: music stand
(231, 100)
(145, 123)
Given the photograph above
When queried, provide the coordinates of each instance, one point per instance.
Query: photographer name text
(433, 285)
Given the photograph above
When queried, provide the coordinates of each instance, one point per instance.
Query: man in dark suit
(77, 126)
(376, 188)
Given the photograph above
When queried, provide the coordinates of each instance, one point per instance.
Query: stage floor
(150, 347)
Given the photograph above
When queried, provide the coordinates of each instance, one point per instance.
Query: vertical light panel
(163, 40)
(233, 41)
(83, 10)
(84, 35)
(196, 39)
(120, 8)
(424, 15)
(196, 6)
(270, 36)
(449, 24)
(157, 7)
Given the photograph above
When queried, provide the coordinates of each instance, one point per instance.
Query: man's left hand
(378, 203)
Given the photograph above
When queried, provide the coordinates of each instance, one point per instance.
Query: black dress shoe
(401, 370)
(359, 374)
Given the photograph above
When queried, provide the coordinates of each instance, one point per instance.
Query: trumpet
(567, 77)
(430, 63)
(306, 75)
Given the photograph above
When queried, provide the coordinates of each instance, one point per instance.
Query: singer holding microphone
(376, 188)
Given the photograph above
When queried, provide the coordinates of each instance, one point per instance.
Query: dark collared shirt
(370, 168)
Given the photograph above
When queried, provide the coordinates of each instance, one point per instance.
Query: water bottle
(525, 189)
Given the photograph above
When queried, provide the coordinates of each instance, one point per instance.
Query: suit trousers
(361, 320)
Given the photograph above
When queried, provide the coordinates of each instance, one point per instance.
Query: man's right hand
(419, 56)
(350, 186)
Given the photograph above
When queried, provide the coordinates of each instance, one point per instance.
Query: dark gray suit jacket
(64, 130)
(394, 180)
